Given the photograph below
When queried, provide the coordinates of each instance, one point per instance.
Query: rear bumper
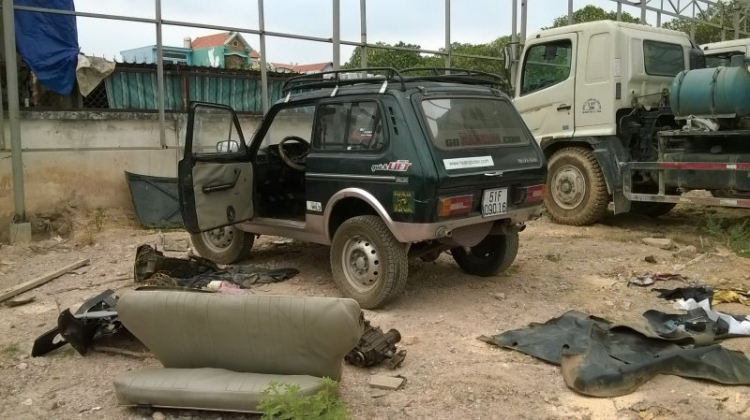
(418, 232)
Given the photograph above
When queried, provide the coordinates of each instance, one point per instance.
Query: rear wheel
(577, 189)
(490, 257)
(369, 265)
(226, 245)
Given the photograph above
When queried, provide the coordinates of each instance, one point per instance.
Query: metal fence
(165, 91)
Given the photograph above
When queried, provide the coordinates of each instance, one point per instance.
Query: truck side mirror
(508, 56)
(550, 52)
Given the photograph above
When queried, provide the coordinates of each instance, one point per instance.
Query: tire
(490, 257)
(651, 209)
(577, 189)
(226, 245)
(369, 265)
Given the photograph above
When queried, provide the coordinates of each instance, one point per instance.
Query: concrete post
(20, 230)
(643, 11)
(570, 12)
(263, 64)
(524, 10)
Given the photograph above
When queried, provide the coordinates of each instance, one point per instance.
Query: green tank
(721, 92)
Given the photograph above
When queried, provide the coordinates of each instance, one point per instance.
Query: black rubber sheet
(601, 359)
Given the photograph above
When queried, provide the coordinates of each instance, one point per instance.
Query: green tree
(377, 57)
(591, 14)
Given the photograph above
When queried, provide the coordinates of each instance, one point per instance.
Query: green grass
(284, 402)
(11, 350)
(734, 234)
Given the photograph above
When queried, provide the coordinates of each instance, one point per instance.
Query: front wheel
(490, 257)
(577, 189)
(369, 265)
(225, 245)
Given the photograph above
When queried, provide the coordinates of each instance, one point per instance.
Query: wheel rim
(218, 240)
(568, 187)
(361, 263)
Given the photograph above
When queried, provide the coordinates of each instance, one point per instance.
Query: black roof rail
(319, 80)
(455, 75)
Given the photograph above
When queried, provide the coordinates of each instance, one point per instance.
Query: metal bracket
(335, 91)
(382, 88)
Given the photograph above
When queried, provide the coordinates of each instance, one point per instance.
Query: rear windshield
(468, 123)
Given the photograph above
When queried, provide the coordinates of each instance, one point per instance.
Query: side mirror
(550, 52)
(227, 146)
(508, 56)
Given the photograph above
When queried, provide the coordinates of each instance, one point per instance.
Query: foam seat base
(203, 389)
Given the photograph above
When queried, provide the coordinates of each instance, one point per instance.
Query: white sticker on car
(468, 162)
(314, 206)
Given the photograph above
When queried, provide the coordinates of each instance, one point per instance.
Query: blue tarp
(48, 43)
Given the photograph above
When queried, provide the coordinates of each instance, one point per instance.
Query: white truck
(596, 96)
(719, 53)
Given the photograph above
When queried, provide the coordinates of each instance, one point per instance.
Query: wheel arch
(352, 202)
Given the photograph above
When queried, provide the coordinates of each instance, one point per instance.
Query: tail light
(536, 193)
(452, 206)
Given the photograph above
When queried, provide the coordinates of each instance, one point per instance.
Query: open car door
(215, 174)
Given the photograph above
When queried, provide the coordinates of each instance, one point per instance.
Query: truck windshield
(464, 123)
(663, 59)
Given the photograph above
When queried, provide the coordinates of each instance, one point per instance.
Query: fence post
(448, 33)
(570, 12)
(11, 72)
(160, 77)
(363, 39)
(336, 35)
(263, 69)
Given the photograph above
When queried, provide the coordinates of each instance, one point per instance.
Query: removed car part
(374, 347)
(96, 318)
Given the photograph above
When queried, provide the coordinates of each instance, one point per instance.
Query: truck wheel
(577, 189)
(490, 257)
(226, 245)
(369, 265)
(651, 209)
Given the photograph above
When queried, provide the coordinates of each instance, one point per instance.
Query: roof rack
(333, 79)
(319, 80)
(455, 75)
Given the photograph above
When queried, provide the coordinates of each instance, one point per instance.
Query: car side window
(351, 126)
(546, 65)
(215, 131)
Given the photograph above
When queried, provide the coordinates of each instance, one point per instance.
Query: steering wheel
(298, 161)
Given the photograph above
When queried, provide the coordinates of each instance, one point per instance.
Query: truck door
(215, 174)
(546, 90)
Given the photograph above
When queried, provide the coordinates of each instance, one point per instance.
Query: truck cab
(584, 91)
(720, 53)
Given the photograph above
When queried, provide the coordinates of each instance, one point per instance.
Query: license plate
(495, 202)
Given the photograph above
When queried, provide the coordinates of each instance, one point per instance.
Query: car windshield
(464, 123)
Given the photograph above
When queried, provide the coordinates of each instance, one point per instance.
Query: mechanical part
(97, 317)
(722, 92)
(295, 162)
(369, 265)
(651, 209)
(149, 261)
(374, 347)
(577, 190)
(490, 257)
(225, 245)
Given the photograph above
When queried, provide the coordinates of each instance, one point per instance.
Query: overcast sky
(414, 21)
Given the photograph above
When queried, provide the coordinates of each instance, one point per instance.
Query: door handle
(226, 186)
(564, 107)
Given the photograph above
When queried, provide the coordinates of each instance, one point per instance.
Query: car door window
(546, 65)
(293, 120)
(353, 126)
(215, 131)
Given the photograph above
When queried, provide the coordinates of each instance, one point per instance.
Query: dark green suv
(382, 165)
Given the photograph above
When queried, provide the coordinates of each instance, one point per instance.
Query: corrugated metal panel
(137, 90)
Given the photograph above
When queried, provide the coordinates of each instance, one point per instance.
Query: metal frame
(690, 9)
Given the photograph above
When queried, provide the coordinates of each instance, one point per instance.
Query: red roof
(254, 54)
(209, 41)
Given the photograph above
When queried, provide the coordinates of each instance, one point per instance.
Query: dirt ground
(451, 374)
